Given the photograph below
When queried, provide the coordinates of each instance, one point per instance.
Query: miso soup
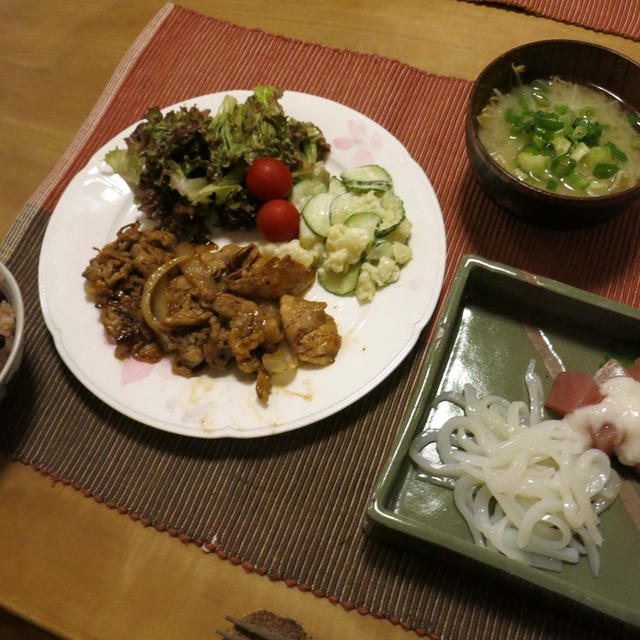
(563, 137)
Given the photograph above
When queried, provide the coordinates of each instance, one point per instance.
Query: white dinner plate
(375, 336)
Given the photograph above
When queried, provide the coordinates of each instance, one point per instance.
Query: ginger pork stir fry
(209, 308)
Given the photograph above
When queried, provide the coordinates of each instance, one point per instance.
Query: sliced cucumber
(381, 249)
(304, 190)
(345, 205)
(392, 213)
(336, 187)
(316, 213)
(389, 207)
(366, 220)
(341, 284)
(367, 178)
(308, 239)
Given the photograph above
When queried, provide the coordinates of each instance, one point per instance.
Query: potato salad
(353, 228)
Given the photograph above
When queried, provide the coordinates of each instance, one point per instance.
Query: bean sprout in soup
(563, 137)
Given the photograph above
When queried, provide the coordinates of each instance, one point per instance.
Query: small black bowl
(572, 60)
(10, 291)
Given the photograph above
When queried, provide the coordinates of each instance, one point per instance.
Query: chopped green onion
(577, 181)
(511, 115)
(594, 132)
(560, 144)
(587, 112)
(633, 119)
(562, 166)
(597, 155)
(552, 184)
(522, 101)
(578, 133)
(616, 153)
(540, 86)
(580, 151)
(587, 130)
(535, 164)
(538, 141)
(541, 99)
(549, 121)
(604, 170)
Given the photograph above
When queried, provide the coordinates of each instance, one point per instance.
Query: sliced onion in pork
(151, 309)
(281, 361)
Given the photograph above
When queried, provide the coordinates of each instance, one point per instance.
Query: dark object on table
(264, 625)
(574, 61)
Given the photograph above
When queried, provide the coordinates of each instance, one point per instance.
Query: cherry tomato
(278, 220)
(268, 179)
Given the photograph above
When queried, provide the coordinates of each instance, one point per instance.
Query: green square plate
(484, 337)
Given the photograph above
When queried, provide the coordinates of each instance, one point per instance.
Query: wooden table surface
(71, 567)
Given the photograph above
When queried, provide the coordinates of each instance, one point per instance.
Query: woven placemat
(619, 17)
(292, 506)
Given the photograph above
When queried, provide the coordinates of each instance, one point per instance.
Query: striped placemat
(619, 17)
(292, 506)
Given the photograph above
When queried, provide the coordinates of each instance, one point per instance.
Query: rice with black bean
(7, 330)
